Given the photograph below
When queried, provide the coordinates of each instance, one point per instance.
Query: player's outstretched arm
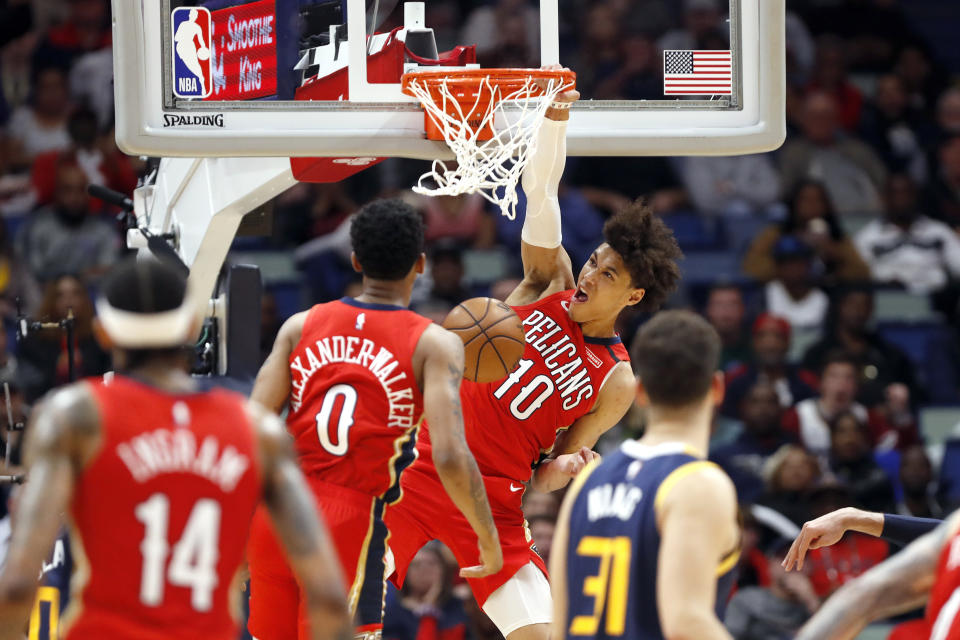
(546, 266)
(300, 529)
(63, 434)
(441, 354)
(900, 584)
(572, 450)
(827, 530)
(698, 526)
(272, 386)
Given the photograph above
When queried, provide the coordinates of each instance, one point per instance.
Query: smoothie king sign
(244, 52)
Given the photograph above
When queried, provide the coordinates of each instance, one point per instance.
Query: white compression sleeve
(541, 178)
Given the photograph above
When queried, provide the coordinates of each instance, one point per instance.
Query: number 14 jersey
(159, 515)
(355, 402)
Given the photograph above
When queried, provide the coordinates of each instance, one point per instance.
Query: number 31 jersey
(159, 515)
(355, 404)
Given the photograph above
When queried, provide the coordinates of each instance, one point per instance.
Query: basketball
(492, 338)
(203, 53)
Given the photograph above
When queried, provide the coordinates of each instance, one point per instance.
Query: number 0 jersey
(159, 515)
(355, 404)
(509, 423)
(613, 543)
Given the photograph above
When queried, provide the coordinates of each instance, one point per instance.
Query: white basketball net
(485, 166)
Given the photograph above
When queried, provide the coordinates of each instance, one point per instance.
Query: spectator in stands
(948, 112)
(909, 248)
(851, 459)
(880, 363)
(810, 419)
(541, 532)
(17, 197)
(599, 56)
(848, 168)
(42, 126)
(65, 237)
(487, 25)
(790, 475)
(731, 186)
(771, 342)
(537, 503)
(612, 183)
(461, 219)
(775, 612)
(8, 362)
(793, 292)
(425, 608)
(446, 272)
(726, 311)
(17, 285)
(919, 488)
(894, 130)
(43, 359)
(830, 77)
(640, 73)
(941, 199)
(16, 73)
(761, 437)
(87, 28)
(830, 568)
(100, 160)
(922, 78)
(811, 217)
(702, 19)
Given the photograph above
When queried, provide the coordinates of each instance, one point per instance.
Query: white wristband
(541, 180)
(560, 105)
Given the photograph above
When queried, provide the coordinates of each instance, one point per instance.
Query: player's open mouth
(579, 296)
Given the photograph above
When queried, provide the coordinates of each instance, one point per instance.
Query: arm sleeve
(541, 179)
(902, 530)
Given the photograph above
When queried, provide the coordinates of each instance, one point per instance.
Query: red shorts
(355, 523)
(425, 512)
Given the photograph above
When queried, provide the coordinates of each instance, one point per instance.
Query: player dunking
(359, 374)
(647, 541)
(574, 378)
(160, 482)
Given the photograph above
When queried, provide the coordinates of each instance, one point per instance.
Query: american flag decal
(697, 73)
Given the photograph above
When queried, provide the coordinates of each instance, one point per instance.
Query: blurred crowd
(830, 267)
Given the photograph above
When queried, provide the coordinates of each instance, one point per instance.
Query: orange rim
(469, 81)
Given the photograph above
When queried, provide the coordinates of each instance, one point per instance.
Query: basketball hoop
(490, 119)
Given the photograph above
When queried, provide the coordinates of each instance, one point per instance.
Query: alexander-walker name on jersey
(359, 351)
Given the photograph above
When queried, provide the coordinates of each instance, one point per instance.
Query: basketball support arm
(200, 202)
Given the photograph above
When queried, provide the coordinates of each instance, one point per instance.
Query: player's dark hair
(675, 355)
(649, 251)
(387, 236)
(145, 286)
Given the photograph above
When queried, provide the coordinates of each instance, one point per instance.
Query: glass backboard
(283, 77)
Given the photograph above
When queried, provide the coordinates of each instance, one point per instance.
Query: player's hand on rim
(491, 560)
(569, 95)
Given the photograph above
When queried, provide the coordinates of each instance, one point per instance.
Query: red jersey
(944, 603)
(355, 404)
(510, 422)
(159, 516)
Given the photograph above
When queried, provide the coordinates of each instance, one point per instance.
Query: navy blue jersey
(54, 592)
(613, 542)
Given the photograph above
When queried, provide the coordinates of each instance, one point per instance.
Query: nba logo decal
(192, 57)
